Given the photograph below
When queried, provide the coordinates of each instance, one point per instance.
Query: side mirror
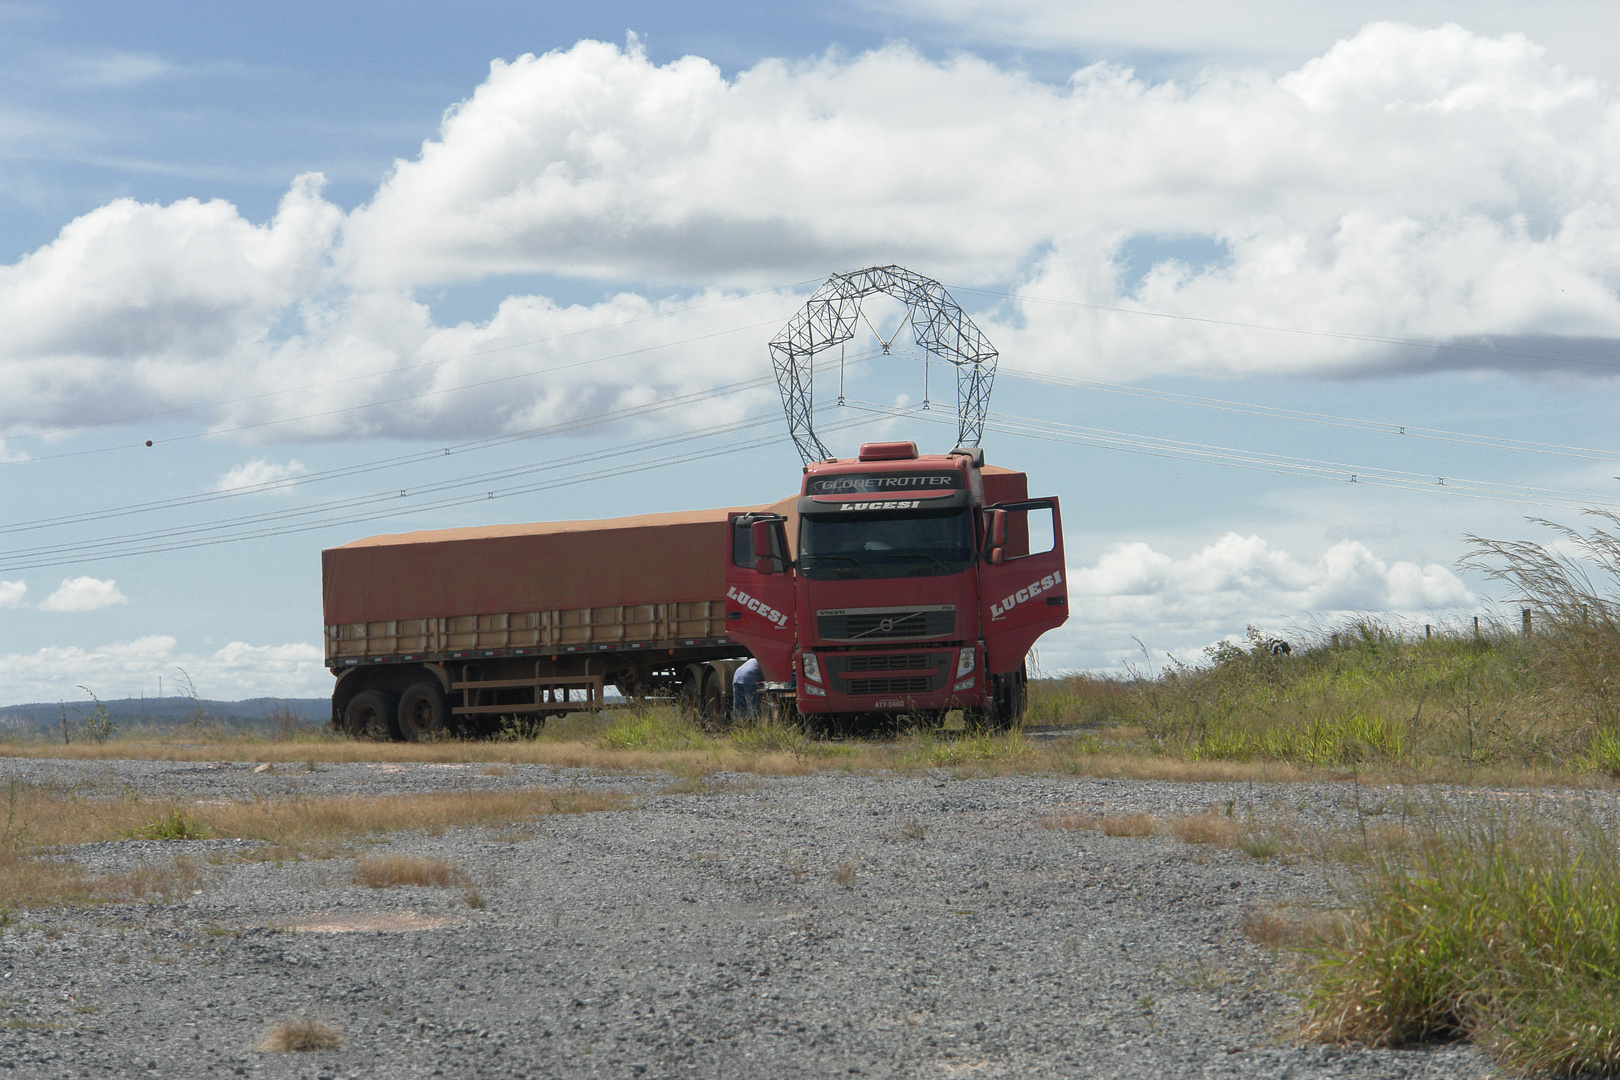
(996, 533)
(766, 560)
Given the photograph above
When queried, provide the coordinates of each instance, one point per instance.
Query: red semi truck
(893, 583)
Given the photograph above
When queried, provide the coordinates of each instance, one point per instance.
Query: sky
(1290, 299)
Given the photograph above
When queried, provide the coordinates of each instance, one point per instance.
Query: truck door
(760, 591)
(1023, 591)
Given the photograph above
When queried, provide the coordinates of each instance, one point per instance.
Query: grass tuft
(390, 869)
(296, 1034)
(173, 826)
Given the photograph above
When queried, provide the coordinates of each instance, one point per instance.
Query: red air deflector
(888, 451)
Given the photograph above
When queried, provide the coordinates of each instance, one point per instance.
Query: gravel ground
(696, 934)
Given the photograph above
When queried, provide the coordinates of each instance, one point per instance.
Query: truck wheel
(690, 697)
(1011, 695)
(715, 708)
(423, 712)
(369, 715)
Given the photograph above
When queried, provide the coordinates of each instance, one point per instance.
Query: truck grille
(918, 684)
(913, 673)
(897, 662)
(883, 624)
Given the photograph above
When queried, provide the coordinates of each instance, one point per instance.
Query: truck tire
(370, 715)
(714, 710)
(1011, 695)
(690, 697)
(423, 712)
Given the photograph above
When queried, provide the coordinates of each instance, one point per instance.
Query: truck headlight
(965, 684)
(812, 667)
(817, 691)
(965, 660)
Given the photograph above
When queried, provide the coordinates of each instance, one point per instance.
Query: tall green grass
(1368, 692)
(1500, 926)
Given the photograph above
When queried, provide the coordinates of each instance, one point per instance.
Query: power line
(1253, 461)
(342, 471)
(1325, 419)
(135, 547)
(1376, 339)
(375, 465)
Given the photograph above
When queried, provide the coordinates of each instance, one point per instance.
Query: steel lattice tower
(942, 328)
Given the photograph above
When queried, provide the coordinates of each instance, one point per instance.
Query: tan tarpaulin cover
(651, 558)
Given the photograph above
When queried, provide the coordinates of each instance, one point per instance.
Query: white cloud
(1406, 183)
(260, 472)
(232, 673)
(117, 69)
(1185, 35)
(84, 594)
(11, 593)
(1134, 590)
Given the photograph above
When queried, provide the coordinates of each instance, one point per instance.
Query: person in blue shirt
(745, 691)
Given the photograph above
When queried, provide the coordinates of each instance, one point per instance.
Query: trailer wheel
(423, 712)
(370, 715)
(714, 708)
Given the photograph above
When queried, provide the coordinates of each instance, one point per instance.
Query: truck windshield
(885, 545)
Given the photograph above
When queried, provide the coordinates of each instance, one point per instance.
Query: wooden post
(1524, 629)
(1476, 627)
(1428, 631)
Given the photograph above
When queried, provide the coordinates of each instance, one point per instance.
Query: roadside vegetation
(1498, 925)
(36, 821)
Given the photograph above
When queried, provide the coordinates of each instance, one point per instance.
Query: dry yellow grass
(29, 882)
(1206, 829)
(34, 819)
(392, 868)
(1296, 928)
(299, 1033)
(1118, 753)
(1118, 825)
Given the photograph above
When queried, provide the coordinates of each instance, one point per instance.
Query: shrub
(1499, 926)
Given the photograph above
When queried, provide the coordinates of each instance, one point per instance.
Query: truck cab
(900, 583)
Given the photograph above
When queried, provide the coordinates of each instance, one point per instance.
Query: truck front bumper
(920, 679)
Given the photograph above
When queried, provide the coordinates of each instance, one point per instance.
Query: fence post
(1428, 631)
(1524, 629)
(1476, 627)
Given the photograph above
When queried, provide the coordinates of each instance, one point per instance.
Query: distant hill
(249, 714)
